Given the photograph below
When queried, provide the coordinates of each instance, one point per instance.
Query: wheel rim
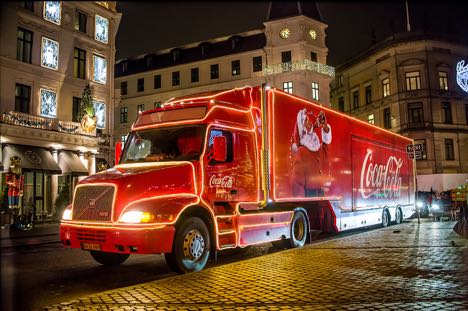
(398, 215)
(384, 219)
(299, 229)
(194, 245)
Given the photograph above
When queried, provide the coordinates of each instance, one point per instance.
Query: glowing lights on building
(52, 11)
(100, 69)
(100, 111)
(299, 65)
(48, 103)
(49, 53)
(101, 29)
(462, 75)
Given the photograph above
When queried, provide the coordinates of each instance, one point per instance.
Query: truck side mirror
(219, 149)
(118, 151)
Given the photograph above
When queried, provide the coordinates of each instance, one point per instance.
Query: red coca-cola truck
(234, 168)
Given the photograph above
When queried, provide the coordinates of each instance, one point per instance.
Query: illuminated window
(141, 84)
(157, 81)
(100, 69)
(443, 82)
(449, 153)
(370, 118)
(194, 75)
(80, 21)
(48, 103)
(387, 116)
(235, 66)
(100, 111)
(140, 108)
(257, 63)
(22, 98)
(446, 113)
(123, 88)
(176, 78)
(214, 71)
(76, 109)
(423, 143)
(415, 113)
(101, 29)
(124, 115)
(49, 53)
(288, 87)
(413, 81)
(24, 45)
(355, 99)
(368, 91)
(341, 104)
(313, 56)
(79, 63)
(315, 90)
(52, 11)
(386, 87)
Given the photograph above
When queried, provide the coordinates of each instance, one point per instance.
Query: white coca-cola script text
(379, 180)
(221, 181)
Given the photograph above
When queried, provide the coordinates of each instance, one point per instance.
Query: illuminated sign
(52, 11)
(100, 111)
(101, 29)
(462, 75)
(49, 53)
(100, 69)
(48, 103)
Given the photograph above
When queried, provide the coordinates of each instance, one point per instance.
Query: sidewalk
(401, 267)
(41, 233)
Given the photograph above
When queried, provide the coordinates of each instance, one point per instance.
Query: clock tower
(296, 52)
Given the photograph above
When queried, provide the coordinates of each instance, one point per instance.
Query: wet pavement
(402, 267)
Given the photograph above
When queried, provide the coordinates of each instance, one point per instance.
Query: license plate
(91, 246)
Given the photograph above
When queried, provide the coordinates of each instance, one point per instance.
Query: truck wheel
(109, 259)
(385, 218)
(398, 216)
(191, 248)
(298, 230)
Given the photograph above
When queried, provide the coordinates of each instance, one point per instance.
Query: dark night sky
(152, 26)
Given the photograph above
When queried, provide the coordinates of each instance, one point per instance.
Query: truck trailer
(234, 168)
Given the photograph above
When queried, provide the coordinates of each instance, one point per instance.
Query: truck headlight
(435, 206)
(419, 204)
(136, 217)
(67, 214)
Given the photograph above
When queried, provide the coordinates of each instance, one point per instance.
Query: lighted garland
(69, 130)
(26, 121)
(299, 65)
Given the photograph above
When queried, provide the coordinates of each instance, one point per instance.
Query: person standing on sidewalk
(15, 182)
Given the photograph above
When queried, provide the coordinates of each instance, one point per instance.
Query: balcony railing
(49, 124)
(299, 65)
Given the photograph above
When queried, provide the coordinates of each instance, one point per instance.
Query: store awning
(33, 159)
(70, 163)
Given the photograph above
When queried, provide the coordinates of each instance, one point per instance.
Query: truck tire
(385, 218)
(398, 216)
(191, 248)
(298, 230)
(109, 259)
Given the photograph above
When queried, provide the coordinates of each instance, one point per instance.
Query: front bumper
(125, 240)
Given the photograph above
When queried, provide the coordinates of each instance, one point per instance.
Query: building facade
(289, 53)
(408, 84)
(50, 52)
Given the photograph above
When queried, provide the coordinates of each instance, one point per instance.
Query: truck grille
(89, 235)
(93, 203)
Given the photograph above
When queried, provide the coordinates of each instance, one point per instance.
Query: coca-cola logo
(380, 180)
(221, 181)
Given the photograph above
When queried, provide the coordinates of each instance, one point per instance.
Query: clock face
(313, 34)
(285, 33)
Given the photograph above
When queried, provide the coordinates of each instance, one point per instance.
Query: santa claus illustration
(311, 169)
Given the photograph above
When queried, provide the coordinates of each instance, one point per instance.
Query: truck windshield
(181, 143)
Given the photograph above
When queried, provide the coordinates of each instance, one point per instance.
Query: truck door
(232, 180)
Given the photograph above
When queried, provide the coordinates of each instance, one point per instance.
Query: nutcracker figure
(15, 181)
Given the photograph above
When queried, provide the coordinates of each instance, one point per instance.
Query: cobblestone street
(402, 267)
